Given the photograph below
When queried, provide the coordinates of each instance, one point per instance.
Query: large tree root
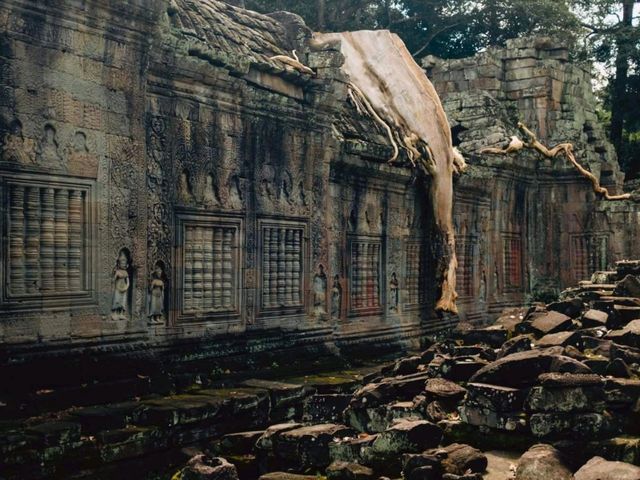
(563, 148)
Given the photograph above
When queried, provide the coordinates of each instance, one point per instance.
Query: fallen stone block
(339, 470)
(308, 447)
(287, 476)
(407, 436)
(542, 461)
(567, 393)
(485, 417)
(522, 369)
(600, 469)
(494, 336)
(560, 339)
(350, 449)
(572, 425)
(444, 390)
(237, 443)
(495, 397)
(551, 322)
(628, 335)
(629, 286)
(201, 467)
(459, 458)
(265, 441)
(571, 307)
(421, 465)
(594, 318)
(520, 343)
(325, 407)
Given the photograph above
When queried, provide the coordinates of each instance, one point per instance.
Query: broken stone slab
(511, 318)
(55, 433)
(339, 470)
(567, 393)
(421, 465)
(325, 407)
(629, 286)
(600, 469)
(480, 351)
(458, 431)
(407, 365)
(350, 449)
(286, 476)
(239, 443)
(621, 393)
(542, 461)
(550, 322)
(459, 458)
(622, 315)
(107, 417)
(571, 307)
(604, 277)
(494, 336)
(618, 368)
(460, 369)
(628, 335)
(444, 390)
(560, 339)
(629, 354)
(519, 343)
(308, 447)
(523, 368)
(265, 442)
(371, 420)
(495, 397)
(121, 444)
(486, 417)
(202, 467)
(572, 425)
(281, 394)
(594, 318)
(407, 436)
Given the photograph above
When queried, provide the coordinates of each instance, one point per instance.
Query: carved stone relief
(394, 296)
(157, 295)
(120, 304)
(320, 291)
(336, 298)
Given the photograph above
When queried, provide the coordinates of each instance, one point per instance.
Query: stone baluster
(227, 268)
(282, 265)
(198, 244)
(273, 267)
(266, 267)
(355, 275)
(32, 240)
(16, 240)
(188, 269)
(375, 271)
(75, 240)
(208, 269)
(289, 256)
(217, 268)
(61, 239)
(47, 240)
(297, 267)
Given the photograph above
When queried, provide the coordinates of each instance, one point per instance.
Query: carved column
(16, 242)
(188, 270)
(75, 240)
(47, 245)
(32, 250)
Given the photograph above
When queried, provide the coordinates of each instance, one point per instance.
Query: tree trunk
(320, 8)
(619, 95)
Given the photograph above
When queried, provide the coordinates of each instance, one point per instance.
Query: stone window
(48, 235)
(365, 274)
(512, 262)
(208, 256)
(588, 254)
(417, 280)
(282, 266)
(465, 253)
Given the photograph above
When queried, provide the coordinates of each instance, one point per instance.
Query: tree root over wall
(389, 87)
(565, 149)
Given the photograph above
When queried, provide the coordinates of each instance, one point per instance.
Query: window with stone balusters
(282, 247)
(207, 260)
(417, 279)
(47, 241)
(365, 275)
(512, 262)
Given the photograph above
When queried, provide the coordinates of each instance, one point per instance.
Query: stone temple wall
(172, 197)
(529, 226)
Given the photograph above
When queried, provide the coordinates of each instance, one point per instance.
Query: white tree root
(293, 62)
(563, 148)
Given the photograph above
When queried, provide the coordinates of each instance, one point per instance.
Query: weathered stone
(286, 476)
(308, 447)
(561, 339)
(571, 308)
(339, 470)
(542, 462)
(560, 425)
(628, 335)
(495, 397)
(567, 393)
(600, 469)
(406, 366)
(522, 369)
(551, 322)
(445, 390)
(417, 462)
(594, 318)
(458, 458)
(201, 467)
(618, 368)
(493, 336)
(237, 443)
(629, 286)
(519, 343)
(407, 436)
(350, 449)
(265, 442)
(325, 407)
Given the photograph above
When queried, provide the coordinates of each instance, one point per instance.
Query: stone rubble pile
(560, 383)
